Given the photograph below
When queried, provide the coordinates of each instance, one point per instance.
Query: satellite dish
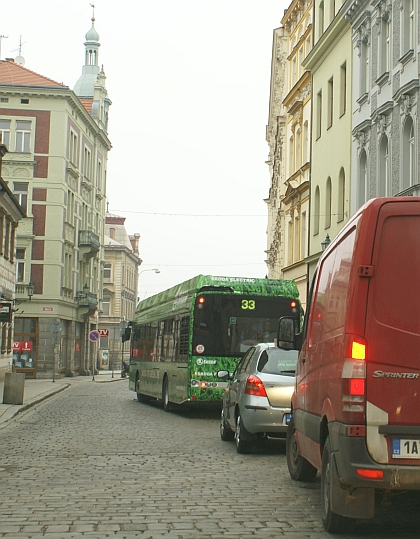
(20, 60)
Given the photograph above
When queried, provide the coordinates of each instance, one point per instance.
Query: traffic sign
(94, 335)
(103, 332)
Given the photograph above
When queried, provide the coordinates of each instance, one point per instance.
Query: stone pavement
(39, 389)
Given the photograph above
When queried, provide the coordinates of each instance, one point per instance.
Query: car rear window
(277, 361)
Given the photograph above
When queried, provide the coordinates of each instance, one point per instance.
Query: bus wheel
(140, 396)
(165, 395)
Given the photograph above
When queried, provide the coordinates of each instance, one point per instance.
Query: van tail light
(254, 386)
(353, 381)
(370, 474)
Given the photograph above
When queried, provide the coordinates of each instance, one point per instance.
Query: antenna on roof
(20, 59)
(1, 37)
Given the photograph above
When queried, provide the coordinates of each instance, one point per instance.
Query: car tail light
(254, 386)
(353, 380)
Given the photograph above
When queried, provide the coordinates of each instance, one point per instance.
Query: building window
(330, 102)
(68, 271)
(87, 164)
(20, 265)
(321, 21)
(318, 113)
(341, 195)
(409, 155)
(106, 304)
(364, 67)
(303, 236)
(305, 148)
(73, 148)
(107, 272)
(328, 199)
(298, 149)
(363, 179)
(385, 45)
(23, 136)
(408, 26)
(343, 89)
(5, 132)
(20, 190)
(383, 167)
(317, 207)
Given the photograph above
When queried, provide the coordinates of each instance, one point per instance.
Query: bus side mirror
(287, 338)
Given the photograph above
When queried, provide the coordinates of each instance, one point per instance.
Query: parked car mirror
(223, 375)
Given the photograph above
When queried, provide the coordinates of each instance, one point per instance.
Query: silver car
(256, 403)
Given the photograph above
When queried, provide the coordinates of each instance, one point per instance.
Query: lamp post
(156, 270)
(326, 242)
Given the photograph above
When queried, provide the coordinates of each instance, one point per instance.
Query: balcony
(88, 243)
(86, 298)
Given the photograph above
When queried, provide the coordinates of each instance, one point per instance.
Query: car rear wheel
(333, 523)
(242, 446)
(299, 468)
(225, 433)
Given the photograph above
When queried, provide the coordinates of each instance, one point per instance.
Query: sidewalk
(39, 389)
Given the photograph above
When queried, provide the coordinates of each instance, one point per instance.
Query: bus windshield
(227, 325)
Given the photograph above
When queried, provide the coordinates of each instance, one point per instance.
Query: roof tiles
(17, 75)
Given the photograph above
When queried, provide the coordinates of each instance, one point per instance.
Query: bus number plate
(405, 448)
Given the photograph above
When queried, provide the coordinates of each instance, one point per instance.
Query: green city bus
(182, 336)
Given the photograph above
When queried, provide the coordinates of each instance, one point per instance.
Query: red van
(356, 403)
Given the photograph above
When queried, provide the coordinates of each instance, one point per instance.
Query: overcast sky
(189, 82)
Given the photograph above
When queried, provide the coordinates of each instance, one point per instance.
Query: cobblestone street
(93, 462)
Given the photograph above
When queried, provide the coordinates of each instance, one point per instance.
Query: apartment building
(56, 167)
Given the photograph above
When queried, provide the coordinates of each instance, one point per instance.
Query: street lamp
(156, 270)
(326, 242)
(30, 289)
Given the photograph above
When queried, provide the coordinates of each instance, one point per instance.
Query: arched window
(328, 203)
(408, 154)
(383, 180)
(362, 186)
(316, 211)
(341, 195)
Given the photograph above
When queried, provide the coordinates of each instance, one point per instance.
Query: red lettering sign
(27, 346)
(17, 346)
(103, 332)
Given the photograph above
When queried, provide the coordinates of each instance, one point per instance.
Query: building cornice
(323, 47)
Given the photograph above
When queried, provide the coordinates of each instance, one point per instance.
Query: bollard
(14, 385)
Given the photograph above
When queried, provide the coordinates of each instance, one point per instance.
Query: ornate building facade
(288, 136)
(385, 128)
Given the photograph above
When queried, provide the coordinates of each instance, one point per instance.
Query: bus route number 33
(248, 304)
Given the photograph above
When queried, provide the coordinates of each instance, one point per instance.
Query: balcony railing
(88, 243)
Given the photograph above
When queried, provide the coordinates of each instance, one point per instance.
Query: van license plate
(286, 419)
(405, 448)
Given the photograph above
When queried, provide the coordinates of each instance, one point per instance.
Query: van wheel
(242, 446)
(225, 433)
(165, 395)
(333, 523)
(299, 468)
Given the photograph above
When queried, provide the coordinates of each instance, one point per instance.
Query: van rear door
(393, 336)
